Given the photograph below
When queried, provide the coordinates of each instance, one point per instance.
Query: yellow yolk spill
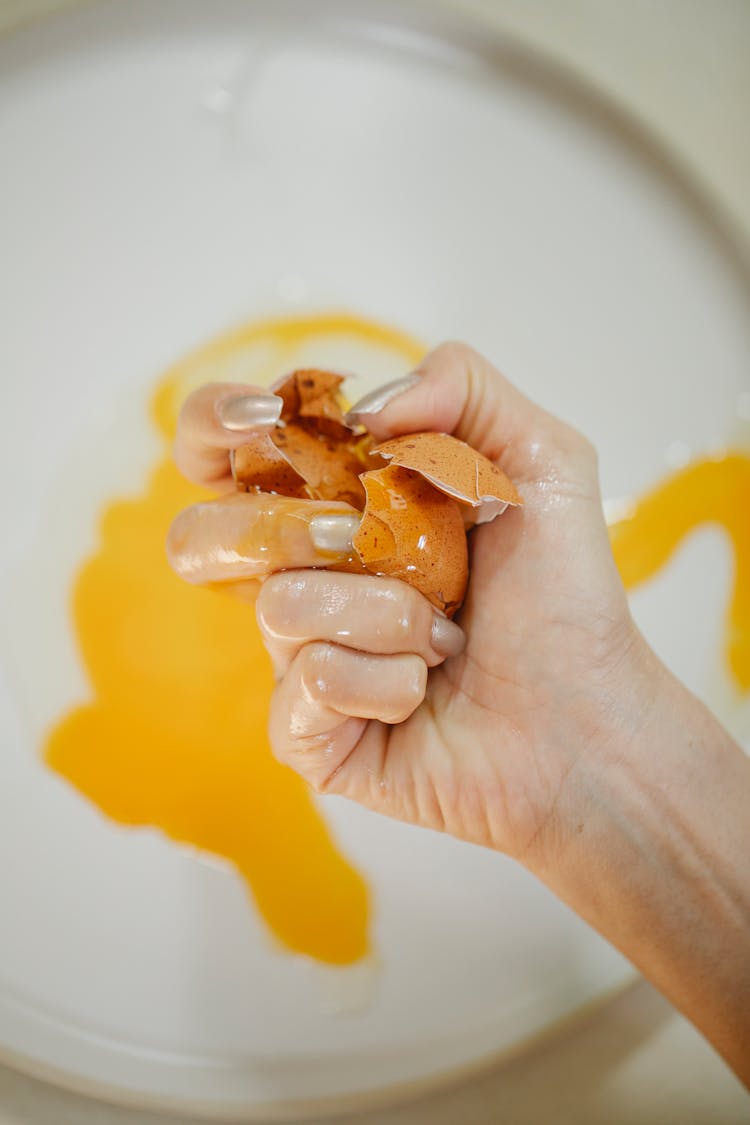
(175, 734)
(716, 490)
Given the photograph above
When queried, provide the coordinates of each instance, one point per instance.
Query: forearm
(655, 854)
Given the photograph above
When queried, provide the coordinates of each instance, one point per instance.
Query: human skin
(544, 727)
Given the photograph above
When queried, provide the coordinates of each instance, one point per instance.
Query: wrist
(660, 765)
(630, 710)
(650, 846)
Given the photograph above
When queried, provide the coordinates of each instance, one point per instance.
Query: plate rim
(502, 49)
(293, 1110)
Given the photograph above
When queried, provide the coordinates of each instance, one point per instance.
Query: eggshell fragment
(314, 394)
(456, 469)
(311, 451)
(260, 467)
(416, 509)
(413, 532)
(331, 469)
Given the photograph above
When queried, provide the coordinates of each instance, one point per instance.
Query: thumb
(456, 390)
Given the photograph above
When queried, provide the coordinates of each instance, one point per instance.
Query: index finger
(216, 419)
(251, 535)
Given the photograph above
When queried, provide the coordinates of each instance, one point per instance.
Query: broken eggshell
(415, 508)
(456, 469)
(412, 531)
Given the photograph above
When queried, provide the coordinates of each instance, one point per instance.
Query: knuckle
(585, 450)
(313, 668)
(188, 406)
(400, 713)
(193, 408)
(454, 352)
(266, 606)
(183, 459)
(411, 691)
(419, 685)
(274, 607)
(401, 621)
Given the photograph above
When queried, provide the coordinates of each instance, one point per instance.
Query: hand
(484, 747)
(546, 727)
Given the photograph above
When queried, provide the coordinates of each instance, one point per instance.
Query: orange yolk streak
(175, 733)
(716, 491)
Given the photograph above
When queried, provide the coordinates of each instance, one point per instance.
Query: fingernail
(448, 639)
(249, 412)
(374, 402)
(333, 533)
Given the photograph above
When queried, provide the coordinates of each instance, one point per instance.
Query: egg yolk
(174, 735)
(712, 491)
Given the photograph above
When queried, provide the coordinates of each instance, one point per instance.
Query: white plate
(167, 168)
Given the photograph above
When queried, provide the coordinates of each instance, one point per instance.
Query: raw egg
(412, 524)
(173, 732)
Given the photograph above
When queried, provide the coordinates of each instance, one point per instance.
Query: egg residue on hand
(412, 525)
(174, 733)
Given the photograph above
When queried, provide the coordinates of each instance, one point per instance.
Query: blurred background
(681, 69)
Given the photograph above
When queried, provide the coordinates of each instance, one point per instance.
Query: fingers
(215, 419)
(374, 615)
(354, 652)
(321, 710)
(457, 390)
(249, 536)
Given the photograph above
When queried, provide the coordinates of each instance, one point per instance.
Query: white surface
(681, 66)
(632, 1063)
(718, 318)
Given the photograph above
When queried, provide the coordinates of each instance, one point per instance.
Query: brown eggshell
(456, 469)
(311, 451)
(330, 468)
(260, 467)
(314, 395)
(413, 532)
(415, 509)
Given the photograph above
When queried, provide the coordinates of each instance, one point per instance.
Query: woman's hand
(485, 747)
(545, 728)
